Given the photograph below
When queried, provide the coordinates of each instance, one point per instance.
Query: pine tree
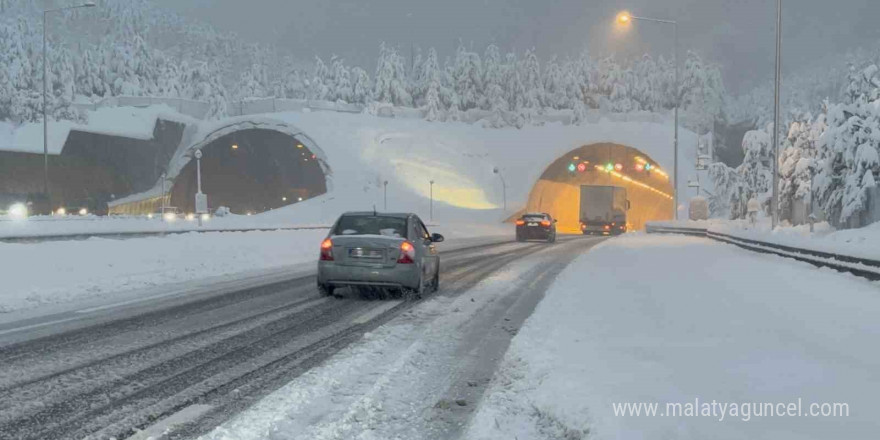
(467, 76)
(391, 80)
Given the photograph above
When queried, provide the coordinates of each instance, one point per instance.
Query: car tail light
(607, 227)
(327, 250)
(520, 222)
(407, 253)
(583, 226)
(545, 223)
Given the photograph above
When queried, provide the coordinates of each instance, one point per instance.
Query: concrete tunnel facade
(557, 191)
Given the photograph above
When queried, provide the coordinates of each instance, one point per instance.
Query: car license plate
(376, 254)
(533, 224)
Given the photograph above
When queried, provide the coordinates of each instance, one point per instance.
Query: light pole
(432, 200)
(385, 195)
(774, 207)
(625, 18)
(503, 189)
(45, 95)
(201, 199)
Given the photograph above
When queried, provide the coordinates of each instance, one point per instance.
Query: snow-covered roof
(130, 122)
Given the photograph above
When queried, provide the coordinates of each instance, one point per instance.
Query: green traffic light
(609, 167)
(571, 167)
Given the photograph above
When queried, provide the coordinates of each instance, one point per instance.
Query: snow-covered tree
(753, 178)
(391, 83)
(530, 75)
(796, 160)
(361, 89)
(467, 75)
(321, 81)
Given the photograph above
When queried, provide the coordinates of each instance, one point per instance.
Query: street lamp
(774, 208)
(385, 195)
(45, 94)
(624, 18)
(503, 188)
(432, 200)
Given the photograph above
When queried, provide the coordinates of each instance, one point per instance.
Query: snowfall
(620, 324)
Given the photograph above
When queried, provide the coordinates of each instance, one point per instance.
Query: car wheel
(413, 293)
(325, 289)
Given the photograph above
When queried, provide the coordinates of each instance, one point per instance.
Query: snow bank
(688, 318)
(861, 242)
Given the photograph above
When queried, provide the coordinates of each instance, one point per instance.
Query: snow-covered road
(196, 363)
(666, 319)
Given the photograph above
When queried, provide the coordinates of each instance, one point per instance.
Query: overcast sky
(738, 34)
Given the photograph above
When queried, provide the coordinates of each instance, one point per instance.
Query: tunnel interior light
(640, 167)
(284, 199)
(234, 146)
(634, 182)
(299, 145)
(576, 158)
(572, 167)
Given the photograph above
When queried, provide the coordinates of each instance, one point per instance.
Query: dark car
(379, 250)
(536, 226)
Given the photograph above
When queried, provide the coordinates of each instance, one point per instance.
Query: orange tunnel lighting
(636, 182)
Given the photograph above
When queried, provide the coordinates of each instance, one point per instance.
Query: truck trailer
(603, 210)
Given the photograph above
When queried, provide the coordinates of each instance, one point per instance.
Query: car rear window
(371, 225)
(533, 218)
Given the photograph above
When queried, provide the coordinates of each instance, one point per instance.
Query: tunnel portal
(648, 186)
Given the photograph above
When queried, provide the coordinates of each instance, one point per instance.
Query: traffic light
(618, 166)
(581, 167)
(609, 167)
(571, 167)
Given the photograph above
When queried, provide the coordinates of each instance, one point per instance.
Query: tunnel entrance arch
(251, 167)
(648, 186)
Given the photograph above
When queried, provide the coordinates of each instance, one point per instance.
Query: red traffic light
(618, 166)
(581, 167)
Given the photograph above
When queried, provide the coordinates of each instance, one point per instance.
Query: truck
(603, 210)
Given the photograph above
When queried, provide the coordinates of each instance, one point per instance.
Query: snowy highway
(191, 365)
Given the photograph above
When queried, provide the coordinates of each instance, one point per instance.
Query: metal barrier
(863, 267)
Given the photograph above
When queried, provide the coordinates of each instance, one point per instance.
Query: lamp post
(201, 199)
(625, 18)
(503, 189)
(385, 195)
(432, 200)
(774, 207)
(45, 94)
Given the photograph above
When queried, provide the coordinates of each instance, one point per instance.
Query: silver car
(369, 249)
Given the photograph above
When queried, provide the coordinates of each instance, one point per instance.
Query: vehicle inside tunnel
(251, 171)
(647, 186)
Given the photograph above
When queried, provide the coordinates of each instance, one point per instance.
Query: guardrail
(863, 267)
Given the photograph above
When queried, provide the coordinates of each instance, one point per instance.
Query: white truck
(603, 210)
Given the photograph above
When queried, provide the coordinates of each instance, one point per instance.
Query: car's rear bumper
(401, 275)
(533, 232)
